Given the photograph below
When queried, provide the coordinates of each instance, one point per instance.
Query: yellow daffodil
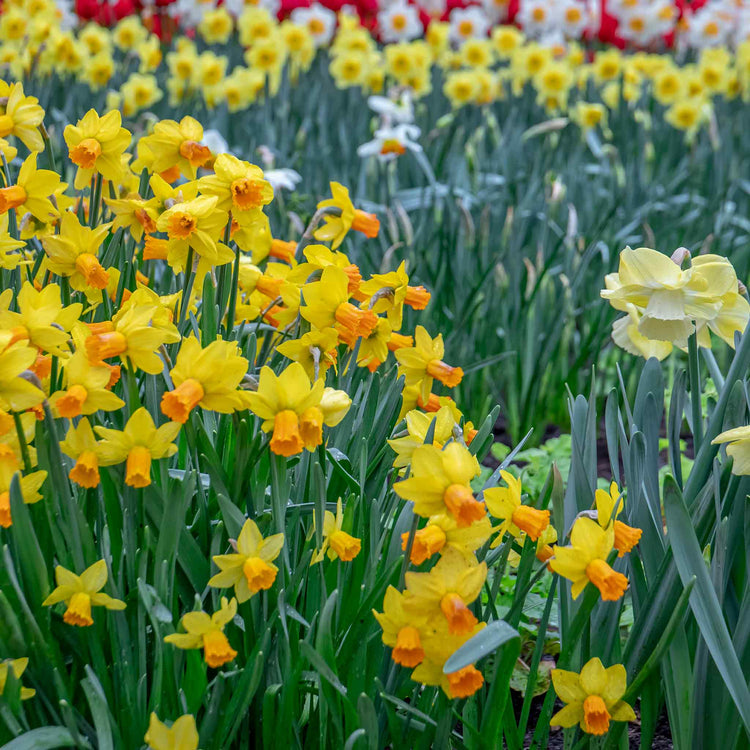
(134, 334)
(315, 351)
(504, 503)
(239, 186)
(608, 506)
(207, 377)
(439, 482)
(389, 292)
(195, 224)
(290, 407)
(80, 593)
(738, 448)
(327, 306)
(447, 589)
(30, 484)
(422, 363)
(592, 698)
(31, 193)
(442, 533)
(250, 569)
(73, 253)
(402, 631)
(17, 667)
(439, 645)
(585, 561)
(337, 543)
(138, 444)
(81, 445)
(21, 117)
(96, 145)
(177, 144)
(41, 318)
(417, 425)
(132, 213)
(182, 735)
(207, 632)
(17, 392)
(345, 217)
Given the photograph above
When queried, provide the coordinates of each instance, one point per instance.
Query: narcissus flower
(176, 144)
(239, 186)
(448, 588)
(423, 363)
(207, 632)
(504, 503)
(74, 253)
(417, 425)
(80, 444)
(442, 533)
(207, 377)
(670, 300)
(738, 448)
(250, 569)
(182, 735)
(195, 224)
(439, 482)
(585, 561)
(41, 318)
(338, 224)
(389, 292)
(96, 145)
(17, 392)
(140, 443)
(31, 193)
(29, 484)
(135, 335)
(17, 667)
(81, 593)
(336, 541)
(290, 407)
(626, 537)
(593, 698)
(315, 351)
(22, 117)
(402, 631)
(327, 306)
(439, 645)
(86, 388)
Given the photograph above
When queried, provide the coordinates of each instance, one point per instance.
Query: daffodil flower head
(439, 483)
(290, 407)
(80, 443)
(80, 593)
(422, 363)
(417, 425)
(30, 484)
(344, 217)
(402, 631)
(207, 632)
(17, 667)
(440, 643)
(208, 377)
(337, 543)
(585, 561)
(504, 503)
(138, 444)
(738, 440)
(96, 145)
(608, 507)
(442, 533)
(315, 350)
(17, 393)
(182, 735)
(239, 186)
(22, 118)
(448, 588)
(250, 569)
(32, 191)
(87, 388)
(593, 698)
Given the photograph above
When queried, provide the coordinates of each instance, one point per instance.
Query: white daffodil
(390, 143)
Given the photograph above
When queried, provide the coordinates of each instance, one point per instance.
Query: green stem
(22, 441)
(695, 391)
(233, 292)
(187, 289)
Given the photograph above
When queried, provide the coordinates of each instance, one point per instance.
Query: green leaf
(703, 599)
(487, 640)
(44, 738)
